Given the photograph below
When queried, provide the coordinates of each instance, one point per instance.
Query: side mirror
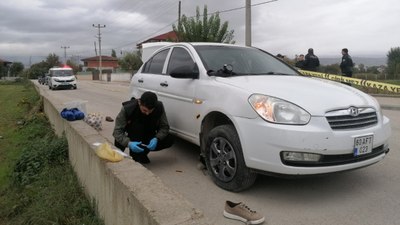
(182, 72)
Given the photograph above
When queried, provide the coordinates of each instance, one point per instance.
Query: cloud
(35, 28)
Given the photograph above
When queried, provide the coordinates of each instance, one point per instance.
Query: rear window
(156, 63)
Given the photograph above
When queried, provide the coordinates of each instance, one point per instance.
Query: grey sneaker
(239, 211)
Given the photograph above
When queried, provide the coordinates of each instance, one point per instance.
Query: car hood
(315, 95)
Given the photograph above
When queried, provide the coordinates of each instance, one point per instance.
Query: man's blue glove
(134, 146)
(153, 144)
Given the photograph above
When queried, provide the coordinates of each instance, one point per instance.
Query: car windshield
(239, 61)
(61, 73)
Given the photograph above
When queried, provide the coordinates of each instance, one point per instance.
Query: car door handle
(164, 84)
(140, 80)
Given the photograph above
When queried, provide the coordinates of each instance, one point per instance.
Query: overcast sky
(32, 29)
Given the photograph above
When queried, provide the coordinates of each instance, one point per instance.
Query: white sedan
(251, 113)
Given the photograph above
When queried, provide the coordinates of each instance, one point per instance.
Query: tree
(3, 70)
(53, 60)
(331, 69)
(130, 62)
(113, 53)
(195, 29)
(393, 62)
(361, 68)
(37, 70)
(74, 66)
(16, 68)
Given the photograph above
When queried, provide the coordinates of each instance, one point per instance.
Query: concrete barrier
(124, 192)
(118, 77)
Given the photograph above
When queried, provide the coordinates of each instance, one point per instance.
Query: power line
(170, 24)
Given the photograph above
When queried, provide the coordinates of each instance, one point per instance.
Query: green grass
(37, 183)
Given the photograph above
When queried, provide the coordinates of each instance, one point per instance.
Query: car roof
(61, 68)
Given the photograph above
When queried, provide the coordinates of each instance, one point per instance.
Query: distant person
(300, 61)
(142, 126)
(311, 61)
(280, 56)
(346, 66)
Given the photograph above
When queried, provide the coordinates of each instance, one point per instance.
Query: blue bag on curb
(72, 114)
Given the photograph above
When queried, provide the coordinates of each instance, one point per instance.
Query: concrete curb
(124, 192)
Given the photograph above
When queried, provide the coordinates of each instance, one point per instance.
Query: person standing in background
(346, 66)
(300, 61)
(311, 61)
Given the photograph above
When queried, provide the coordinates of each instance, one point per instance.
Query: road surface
(368, 196)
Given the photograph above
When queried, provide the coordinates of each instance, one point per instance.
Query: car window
(61, 73)
(179, 58)
(244, 61)
(156, 63)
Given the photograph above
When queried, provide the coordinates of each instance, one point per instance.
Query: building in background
(169, 36)
(5, 68)
(108, 63)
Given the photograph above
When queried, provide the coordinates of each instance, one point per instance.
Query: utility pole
(65, 54)
(179, 20)
(99, 38)
(179, 14)
(95, 49)
(248, 23)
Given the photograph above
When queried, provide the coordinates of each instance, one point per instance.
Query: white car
(61, 78)
(251, 113)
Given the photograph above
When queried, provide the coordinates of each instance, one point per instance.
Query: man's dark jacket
(132, 125)
(311, 62)
(346, 65)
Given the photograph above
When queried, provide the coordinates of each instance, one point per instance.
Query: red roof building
(107, 62)
(5, 63)
(169, 36)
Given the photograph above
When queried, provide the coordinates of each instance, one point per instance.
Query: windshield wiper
(277, 73)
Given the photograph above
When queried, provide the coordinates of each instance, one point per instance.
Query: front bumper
(63, 85)
(263, 143)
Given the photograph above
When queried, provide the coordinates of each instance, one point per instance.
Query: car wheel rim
(223, 159)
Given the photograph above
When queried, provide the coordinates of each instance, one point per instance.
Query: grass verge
(37, 183)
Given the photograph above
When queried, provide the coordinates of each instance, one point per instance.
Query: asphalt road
(368, 196)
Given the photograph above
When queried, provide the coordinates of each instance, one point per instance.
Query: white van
(61, 78)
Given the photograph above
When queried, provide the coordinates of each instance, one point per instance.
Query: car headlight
(57, 80)
(276, 110)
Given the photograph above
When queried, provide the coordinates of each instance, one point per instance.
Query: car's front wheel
(225, 162)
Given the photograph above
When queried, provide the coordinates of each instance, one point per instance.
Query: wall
(118, 77)
(124, 192)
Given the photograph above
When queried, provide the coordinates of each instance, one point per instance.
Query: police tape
(361, 82)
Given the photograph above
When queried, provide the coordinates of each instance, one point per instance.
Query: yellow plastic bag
(105, 151)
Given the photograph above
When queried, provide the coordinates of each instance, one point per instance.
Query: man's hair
(345, 50)
(148, 100)
(311, 51)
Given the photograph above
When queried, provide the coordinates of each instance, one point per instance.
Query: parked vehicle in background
(61, 78)
(41, 79)
(252, 113)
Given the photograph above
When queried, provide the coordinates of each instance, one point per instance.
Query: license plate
(363, 145)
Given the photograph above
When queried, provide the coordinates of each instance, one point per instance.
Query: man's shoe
(239, 211)
(144, 160)
(141, 158)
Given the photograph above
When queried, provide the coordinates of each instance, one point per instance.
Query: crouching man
(142, 126)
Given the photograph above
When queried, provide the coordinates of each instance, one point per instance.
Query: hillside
(367, 61)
